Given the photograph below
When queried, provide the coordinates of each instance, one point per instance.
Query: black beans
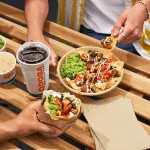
(117, 75)
(89, 51)
(94, 55)
(73, 105)
(61, 97)
(111, 67)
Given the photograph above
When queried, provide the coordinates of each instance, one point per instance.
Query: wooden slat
(19, 32)
(136, 81)
(8, 146)
(79, 130)
(130, 79)
(139, 63)
(136, 93)
(141, 106)
(36, 141)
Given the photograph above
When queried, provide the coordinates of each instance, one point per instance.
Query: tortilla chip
(110, 83)
(116, 79)
(66, 81)
(114, 39)
(118, 64)
(101, 86)
(113, 44)
(96, 89)
(74, 86)
(107, 54)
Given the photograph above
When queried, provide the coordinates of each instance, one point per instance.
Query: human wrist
(8, 130)
(15, 128)
(141, 8)
(146, 5)
(34, 34)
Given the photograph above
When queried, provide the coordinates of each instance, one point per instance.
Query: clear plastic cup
(36, 75)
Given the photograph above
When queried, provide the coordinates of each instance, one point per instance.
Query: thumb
(118, 25)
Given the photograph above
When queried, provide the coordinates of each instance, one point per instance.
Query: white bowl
(10, 74)
(86, 48)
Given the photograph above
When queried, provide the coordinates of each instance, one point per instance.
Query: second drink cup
(33, 58)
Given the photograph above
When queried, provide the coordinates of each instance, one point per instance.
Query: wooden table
(135, 84)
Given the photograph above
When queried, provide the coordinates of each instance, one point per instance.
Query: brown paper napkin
(114, 125)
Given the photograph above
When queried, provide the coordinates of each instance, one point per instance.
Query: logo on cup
(41, 78)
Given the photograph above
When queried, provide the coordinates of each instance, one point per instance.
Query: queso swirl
(100, 71)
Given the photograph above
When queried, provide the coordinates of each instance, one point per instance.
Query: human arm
(25, 124)
(36, 12)
(133, 20)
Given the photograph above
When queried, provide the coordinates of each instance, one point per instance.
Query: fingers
(120, 22)
(131, 35)
(129, 41)
(54, 60)
(42, 128)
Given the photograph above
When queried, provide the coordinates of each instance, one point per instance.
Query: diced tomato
(74, 111)
(66, 107)
(78, 78)
(110, 60)
(89, 66)
(79, 75)
(57, 101)
(104, 67)
(90, 78)
(98, 67)
(66, 102)
(65, 115)
(91, 60)
(109, 47)
(84, 88)
(83, 57)
(99, 77)
(108, 75)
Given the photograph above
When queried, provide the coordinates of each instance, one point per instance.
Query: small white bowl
(3, 49)
(10, 74)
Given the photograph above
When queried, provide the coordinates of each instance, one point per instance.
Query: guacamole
(53, 107)
(72, 66)
(1, 43)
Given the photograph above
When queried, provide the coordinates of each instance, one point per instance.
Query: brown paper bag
(115, 126)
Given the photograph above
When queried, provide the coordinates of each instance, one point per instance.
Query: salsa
(64, 106)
